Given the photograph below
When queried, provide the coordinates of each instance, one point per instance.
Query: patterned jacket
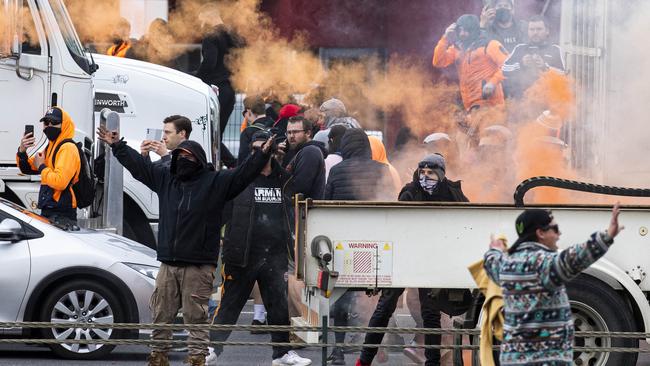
(538, 324)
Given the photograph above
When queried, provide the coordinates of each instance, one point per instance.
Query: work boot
(195, 360)
(158, 359)
(337, 357)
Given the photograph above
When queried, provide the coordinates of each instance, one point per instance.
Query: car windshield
(69, 34)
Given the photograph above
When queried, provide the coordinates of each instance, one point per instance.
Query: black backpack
(84, 189)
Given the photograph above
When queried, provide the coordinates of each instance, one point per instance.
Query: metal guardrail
(324, 344)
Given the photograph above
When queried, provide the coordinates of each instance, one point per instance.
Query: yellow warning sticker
(386, 246)
(339, 246)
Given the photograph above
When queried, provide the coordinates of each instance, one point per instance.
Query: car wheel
(597, 307)
(82, 301)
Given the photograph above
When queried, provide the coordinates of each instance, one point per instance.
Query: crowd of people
(320, 152)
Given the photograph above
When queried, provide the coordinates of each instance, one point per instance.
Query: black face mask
(503, 15)
(186, 168)
(51, 132)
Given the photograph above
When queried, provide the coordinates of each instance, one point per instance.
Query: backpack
(84, 189)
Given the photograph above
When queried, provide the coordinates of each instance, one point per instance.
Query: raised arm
(445, 52)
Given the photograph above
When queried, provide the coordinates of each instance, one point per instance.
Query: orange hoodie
(379, 154)
(475, 67)
(57, 177)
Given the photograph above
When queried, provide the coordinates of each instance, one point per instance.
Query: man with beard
(306, 159)
(256, 248)
(429, 185)
(191, 199)
(59, 166)
(497, 19)
(529, 60)
(215, 48)
(478, 61)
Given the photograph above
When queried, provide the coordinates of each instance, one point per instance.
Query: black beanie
(527, 224)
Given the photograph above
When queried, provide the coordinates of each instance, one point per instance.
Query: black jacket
(446, 191)
(241, 213)
(307, 169)
(190, 211)
(263, 123)
(519, 77)
(358, 177)
(214, 49)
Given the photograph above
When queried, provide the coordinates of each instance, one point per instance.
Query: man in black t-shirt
(256, 248)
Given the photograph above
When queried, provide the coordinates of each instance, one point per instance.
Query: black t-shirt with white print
(269, 231)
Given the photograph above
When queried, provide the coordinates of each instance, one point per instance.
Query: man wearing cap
(538, 326)
(429, 185)
(191, 198)
(58, 165)
(257, 247)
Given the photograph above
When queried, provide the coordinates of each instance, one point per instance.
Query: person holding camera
(257, 246)
(58, 165)
(529, 60)
(478, 61)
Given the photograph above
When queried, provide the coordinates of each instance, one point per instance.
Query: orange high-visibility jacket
(476, 67)
(119, 50)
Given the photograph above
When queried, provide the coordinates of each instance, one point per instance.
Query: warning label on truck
(363, 263)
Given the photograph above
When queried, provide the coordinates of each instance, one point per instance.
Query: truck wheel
(84, 301)
(597, 307)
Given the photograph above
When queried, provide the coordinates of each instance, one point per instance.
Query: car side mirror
(10, 230)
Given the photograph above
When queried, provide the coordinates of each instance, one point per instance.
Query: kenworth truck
(42, 64)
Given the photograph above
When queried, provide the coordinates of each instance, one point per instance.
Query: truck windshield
(69, 35)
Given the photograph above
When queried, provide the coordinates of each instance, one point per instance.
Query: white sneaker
(211, 358)
(291, 358)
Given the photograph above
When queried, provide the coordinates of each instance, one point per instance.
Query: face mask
(428, 184)
(186, 168)
(503, 15)
(51, 132)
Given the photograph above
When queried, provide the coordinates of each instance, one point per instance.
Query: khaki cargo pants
(187, 288)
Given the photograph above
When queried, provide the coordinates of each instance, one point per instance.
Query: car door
(15, 267)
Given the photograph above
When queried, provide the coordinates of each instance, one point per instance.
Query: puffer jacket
(358, 177)
(190, 210)
(56, 179)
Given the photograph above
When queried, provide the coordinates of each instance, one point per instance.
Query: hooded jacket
(307, 169)
(190, 210)
(358, 177)
(478, 64)
(446, 191)
(56, 179)
(241, 214)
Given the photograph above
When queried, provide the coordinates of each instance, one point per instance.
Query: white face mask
(428, 184)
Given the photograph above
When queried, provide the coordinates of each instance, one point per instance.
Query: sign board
(363, 263)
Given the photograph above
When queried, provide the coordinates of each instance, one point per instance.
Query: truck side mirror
(10, 230)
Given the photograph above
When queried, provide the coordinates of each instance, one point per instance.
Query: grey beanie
(333, 108)
(435, 162)
(323, 136)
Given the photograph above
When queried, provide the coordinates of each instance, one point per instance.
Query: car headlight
(148, 271)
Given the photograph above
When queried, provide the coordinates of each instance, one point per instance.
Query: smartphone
(154, 134)
(29, 129)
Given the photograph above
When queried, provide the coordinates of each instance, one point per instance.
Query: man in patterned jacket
(538, 326)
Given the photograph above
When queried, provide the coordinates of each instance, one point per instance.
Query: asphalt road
(24, 355)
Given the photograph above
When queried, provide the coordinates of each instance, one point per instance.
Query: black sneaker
(259, 331)
(336, 357)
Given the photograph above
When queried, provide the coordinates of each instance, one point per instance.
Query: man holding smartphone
(58, 165)
(176, 129)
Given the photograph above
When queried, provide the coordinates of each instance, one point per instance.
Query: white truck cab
(42, 64)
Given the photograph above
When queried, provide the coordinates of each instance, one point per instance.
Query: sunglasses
(49, 122)
(555, 228)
